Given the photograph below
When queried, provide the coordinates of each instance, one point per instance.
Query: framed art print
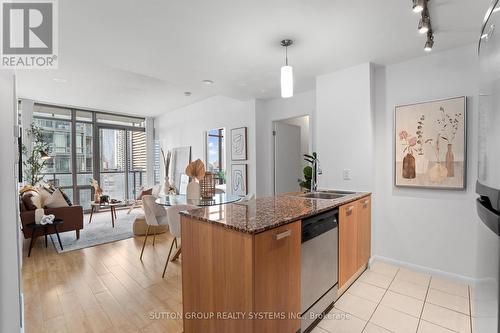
(239, 144)
(239, 179)
(430, 144)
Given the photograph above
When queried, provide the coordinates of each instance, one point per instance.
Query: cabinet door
(363, 209)
(277, 277)
(348, 239)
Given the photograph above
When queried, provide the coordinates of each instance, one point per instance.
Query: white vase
(39, 213)
(193, 191)
(422, 164)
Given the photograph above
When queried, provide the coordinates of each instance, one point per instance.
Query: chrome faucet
(316, 171)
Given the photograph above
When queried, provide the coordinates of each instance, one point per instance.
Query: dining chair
(248, 197)
(155, 215)
(137, 203)
(174, 225)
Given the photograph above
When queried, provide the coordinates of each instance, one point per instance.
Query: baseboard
(436, 272)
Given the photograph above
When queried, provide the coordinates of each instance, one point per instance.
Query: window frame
(96, 167)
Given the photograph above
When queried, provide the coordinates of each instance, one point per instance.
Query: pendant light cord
(286, 55)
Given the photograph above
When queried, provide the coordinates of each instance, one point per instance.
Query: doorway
(291, 142)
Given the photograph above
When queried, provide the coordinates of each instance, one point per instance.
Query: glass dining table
(216, 200)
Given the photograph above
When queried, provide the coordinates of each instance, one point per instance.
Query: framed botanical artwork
(430, 144)
(239, 144)
(239, 179)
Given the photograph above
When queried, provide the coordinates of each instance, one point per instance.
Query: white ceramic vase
(39, 213)
(193, 190)
(422, 164)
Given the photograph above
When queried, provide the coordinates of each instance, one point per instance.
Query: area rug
(99, 231)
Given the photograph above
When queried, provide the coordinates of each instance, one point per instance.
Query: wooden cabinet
(230, 273)
(348, 243)
(363, 208)
(277, 277)
(354, 238)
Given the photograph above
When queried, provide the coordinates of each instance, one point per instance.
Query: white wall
(267, 111)
(9, 228)
(187, 126)
(344, 128)
(431, 228)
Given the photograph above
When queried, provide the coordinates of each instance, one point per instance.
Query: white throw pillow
(56, 200)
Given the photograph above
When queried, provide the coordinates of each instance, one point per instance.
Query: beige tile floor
(387, 298)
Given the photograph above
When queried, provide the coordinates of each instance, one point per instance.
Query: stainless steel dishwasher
(319, 278)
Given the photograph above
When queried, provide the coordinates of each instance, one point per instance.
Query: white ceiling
(139, 57)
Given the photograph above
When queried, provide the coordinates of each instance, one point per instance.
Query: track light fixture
(418, 6)
(430, 41)
(424, 25)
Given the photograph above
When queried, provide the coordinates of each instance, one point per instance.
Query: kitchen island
(241, 265)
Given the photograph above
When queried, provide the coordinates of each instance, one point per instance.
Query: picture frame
(239, 179)
(430, 144)
(181, 157)
(239, 144)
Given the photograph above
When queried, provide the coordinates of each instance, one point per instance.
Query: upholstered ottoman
(140, 226)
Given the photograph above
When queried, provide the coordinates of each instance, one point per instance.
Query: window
(216, 153)
(120, 120)
(75, 136)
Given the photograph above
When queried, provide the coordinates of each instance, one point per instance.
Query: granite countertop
(262, 214)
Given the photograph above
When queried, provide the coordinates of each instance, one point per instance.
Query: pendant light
(286, 72)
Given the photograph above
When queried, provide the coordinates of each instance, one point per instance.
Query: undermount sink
(335, 192)
(323, 195)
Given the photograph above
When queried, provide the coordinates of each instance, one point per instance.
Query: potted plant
(305, 184)
(35, 157)
(309, 172)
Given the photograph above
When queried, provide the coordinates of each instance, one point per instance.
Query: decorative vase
(438, 173)
(409, 167)
(450, 161)
(422, 164)
(193, 191)
(39, 213)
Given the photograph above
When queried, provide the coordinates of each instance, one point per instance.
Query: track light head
(429, 44)
(424, 25)
(418, 6)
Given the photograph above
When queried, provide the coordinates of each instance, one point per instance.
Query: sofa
(72, 217)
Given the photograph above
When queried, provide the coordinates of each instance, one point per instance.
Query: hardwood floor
(102, 289)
